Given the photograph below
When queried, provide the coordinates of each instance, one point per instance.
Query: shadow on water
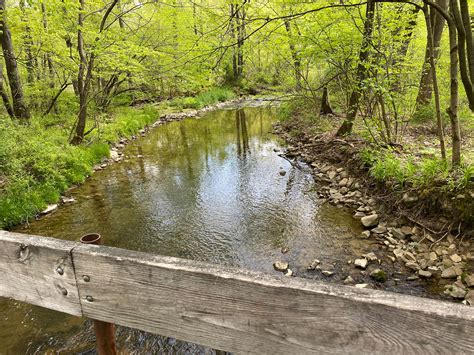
(206, 189)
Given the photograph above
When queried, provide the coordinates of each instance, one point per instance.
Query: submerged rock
(313, 264)
(379, 275)
(49, 209)
(281, 266)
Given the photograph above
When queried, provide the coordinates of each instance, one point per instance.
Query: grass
(37, 164)
(203, 99)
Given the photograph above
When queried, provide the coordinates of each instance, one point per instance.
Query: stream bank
(406, 249)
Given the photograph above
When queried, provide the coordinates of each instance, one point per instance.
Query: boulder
(455, 291)
(455, 258)
(49, 209)
(424, 274)
(370, 221)
(469, 280)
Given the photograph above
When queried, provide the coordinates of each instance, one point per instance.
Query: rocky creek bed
(404, 250)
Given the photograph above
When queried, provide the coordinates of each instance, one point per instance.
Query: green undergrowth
(401, 172)
(203, 99)
(37, 164)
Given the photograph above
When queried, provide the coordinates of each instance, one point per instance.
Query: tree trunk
(437, 24)
(430, 47)
(295, 56)
(454, 91)
(5, 98)
(346, 127)
(325, 105)
(19, 106)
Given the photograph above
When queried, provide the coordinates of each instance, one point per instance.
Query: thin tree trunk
(19, 107)
(346, 127)
(5, 98)
(439, 119)
(325, 105)
(437, 24)
(294, 55)
(454, 92)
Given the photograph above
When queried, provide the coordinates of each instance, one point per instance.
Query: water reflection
(205, 189)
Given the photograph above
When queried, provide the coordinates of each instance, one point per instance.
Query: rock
(455, 291)
(284, 249)
(327, 273)
(65, 200)
(469, 280)
(424, 274)
(362, 286)
(114, 155)
(280, 266)
(455, 258)
(406, 230)
(469, 297)
(412, 278)
(361, 263)
(282, 172)
(407, 198)
(433, 256)
(343, 182)
(412, 265)
(359, 214)
(371, 257)
(451, 273)
(379, 230)
(365, 235)
(49, 209)
(348, 280)
(313, 264)
(332, 174)
(398, 253)
(289, 272)
(379, 275)
(397, 233)
(370, 221)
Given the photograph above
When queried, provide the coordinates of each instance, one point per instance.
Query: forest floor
(419, 212)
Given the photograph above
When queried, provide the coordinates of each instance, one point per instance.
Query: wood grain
(39, 271)
(249, 312)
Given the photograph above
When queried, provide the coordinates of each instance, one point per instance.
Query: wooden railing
(231, 309)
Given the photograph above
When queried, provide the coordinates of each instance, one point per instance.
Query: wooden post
(104, 331)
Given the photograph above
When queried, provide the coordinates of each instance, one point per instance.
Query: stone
(406, 230)
(371, 257)
(398, 253)
(313, 264)
(332, 174)
(362, 285)
(281, 266)
(451, 273)
(455, 258)
(379, 275)
(359, 214)
(289, 272)
(365, 235)
(469, 280)
(285, 249)
(282, 172)
(343, 182)
(424, 274)
(379, 230)
(397, 233)
(455, 291)
(327, 273)
(49, 209)
(361, 263)
(349, 280)
(412, 265)
(433, 256)
(407, 198)
(370, 221)
(114, 155)
(65, 200)
(412, 278)
(469, 297)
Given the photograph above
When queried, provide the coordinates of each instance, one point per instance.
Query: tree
(19, 107)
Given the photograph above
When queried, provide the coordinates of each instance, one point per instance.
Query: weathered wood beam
(38, 271)
(226, 308)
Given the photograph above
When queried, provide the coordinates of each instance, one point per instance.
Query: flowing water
(209, 189)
